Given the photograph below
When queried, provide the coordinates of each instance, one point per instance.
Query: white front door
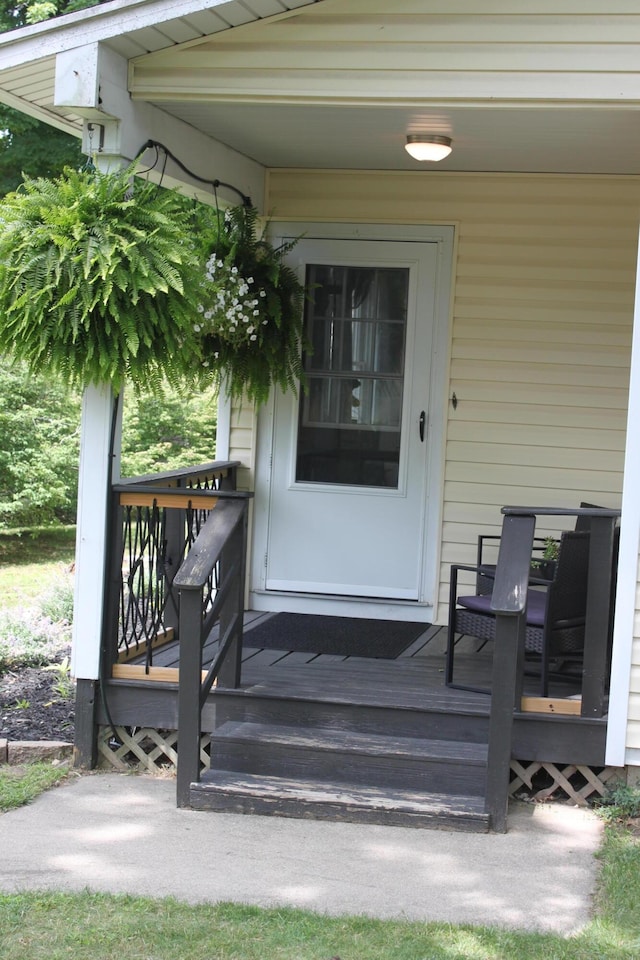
(352, 457)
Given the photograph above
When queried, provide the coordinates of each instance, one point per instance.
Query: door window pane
(351, 413)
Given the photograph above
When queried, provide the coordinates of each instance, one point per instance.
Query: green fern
(99, 278)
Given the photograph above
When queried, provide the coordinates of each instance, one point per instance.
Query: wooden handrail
(221, 540)
(209, 544)
(197, 472)
(154, 519)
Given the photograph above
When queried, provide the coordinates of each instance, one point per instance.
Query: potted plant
(251, 313)
(103, 279)
(545, 567)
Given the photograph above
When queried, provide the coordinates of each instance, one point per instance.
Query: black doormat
(339, 636)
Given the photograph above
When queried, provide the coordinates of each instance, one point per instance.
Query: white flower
(200, 308)
(197, 327)
(234, 270)
(253, 337)
(263, 293)
(249, 279)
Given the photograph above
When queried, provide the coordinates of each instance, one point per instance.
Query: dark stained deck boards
(400, 684)
(414, 678)
(219, 790)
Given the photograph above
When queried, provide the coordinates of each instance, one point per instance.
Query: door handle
(421, 423)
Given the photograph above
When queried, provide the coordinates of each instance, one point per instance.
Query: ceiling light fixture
(428, 146)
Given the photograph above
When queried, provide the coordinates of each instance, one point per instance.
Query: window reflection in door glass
(350, 416)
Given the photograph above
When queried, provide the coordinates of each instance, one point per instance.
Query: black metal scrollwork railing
(155, 520)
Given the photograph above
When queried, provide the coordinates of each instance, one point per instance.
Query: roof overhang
(339, 83)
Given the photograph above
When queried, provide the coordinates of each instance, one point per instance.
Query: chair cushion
(536, 601)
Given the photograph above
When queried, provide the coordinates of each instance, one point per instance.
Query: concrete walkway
(123, 834)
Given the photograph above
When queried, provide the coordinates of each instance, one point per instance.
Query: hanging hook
(246, 200)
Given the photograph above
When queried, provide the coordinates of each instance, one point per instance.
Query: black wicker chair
(555, 613)
(489, 542)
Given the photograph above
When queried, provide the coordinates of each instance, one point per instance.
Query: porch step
(331, 707)
(342, 756)
(232, 792)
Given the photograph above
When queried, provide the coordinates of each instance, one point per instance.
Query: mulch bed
(30, 708)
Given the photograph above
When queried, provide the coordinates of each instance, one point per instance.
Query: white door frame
(423, 609)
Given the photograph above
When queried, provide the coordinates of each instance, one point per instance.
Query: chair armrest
(469, 568)
(482, 538)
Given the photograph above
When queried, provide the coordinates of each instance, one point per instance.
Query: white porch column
(223, 426)
(97, 469)
(617, 754)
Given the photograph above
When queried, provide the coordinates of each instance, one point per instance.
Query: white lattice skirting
(144, 748)
(546, 781)
(154, 751)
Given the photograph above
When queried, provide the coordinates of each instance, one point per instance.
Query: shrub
(57, 603)
(620, 803)
(28, 639)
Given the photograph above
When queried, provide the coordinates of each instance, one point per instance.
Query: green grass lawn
(49, 926)
(32, 562)
(22, 783)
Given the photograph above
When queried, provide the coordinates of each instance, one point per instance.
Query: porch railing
(155, 520)
(177, 567)
(509, 604)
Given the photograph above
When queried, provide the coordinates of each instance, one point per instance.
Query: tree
(168, 432)
(39, 444)
(40, 439)
(28, 145)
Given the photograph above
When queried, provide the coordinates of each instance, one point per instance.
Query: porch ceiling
(513, 138)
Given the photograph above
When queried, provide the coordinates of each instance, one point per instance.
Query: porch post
(99, 438)
(508, 602)
(616, 754)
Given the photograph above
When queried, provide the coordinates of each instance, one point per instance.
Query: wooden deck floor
(417, 674)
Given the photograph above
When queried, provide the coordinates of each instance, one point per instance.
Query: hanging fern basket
(99, 279)
(105, 278)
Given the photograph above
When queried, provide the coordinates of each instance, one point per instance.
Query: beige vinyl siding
(242, 440)
(540, 335)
